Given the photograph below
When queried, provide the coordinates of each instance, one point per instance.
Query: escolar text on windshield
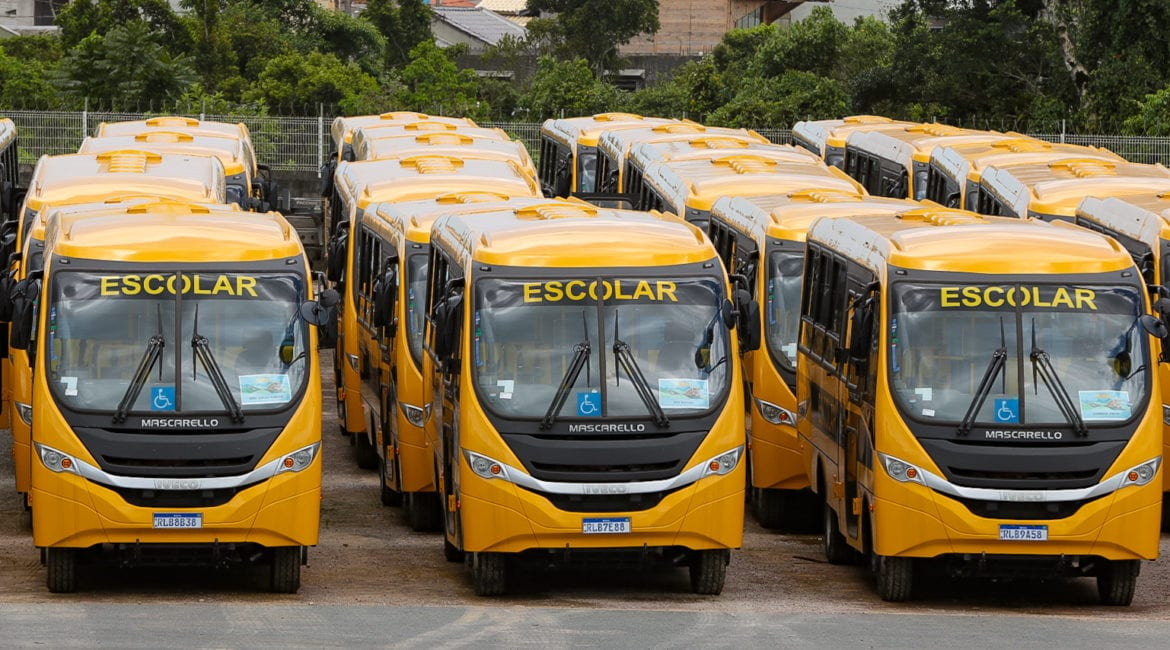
(578, 290)
(158, 284)
(1018, 296)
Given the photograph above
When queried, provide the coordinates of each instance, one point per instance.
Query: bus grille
(1017, 510)
(178, 498)
(605, 459)
(605, 502)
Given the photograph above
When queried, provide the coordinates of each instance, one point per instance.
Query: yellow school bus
(229, 151)
(1141, 224)
(689, 187)
(827, 138)
(9, 169)
(547, 451)
(762, 239)
(895, 162)
(460, 144)
(614, 146)
(173, 123)
(1053, 190)
(366, 141)
(953, 177)
(343, 127)
(177, 404)
(568, 149)
(979, 393)
(357, 186)
(391, 256)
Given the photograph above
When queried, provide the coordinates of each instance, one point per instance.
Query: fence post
(85, 119)
(1062, 124)
(320, 137)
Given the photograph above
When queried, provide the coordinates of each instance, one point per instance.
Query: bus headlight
(1143, 473)
(485, 467)
(900, 470)
(415, 415)
(723, 463)
(353, 362)
(25, 411)
(775, 414)
(56, 461)
(299, 459)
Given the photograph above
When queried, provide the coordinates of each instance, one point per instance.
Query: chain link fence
(301, 144)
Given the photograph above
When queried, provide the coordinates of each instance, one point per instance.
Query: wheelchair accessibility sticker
(162, 398)
(589, 404)
(1007, 410)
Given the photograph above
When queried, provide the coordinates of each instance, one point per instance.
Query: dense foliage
(1089, 65)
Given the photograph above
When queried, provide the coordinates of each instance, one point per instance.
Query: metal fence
(300, 144)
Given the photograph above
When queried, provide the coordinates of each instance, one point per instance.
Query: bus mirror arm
(747, 311)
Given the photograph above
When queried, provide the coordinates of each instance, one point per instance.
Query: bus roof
(126, 205)
(171, 232)
(944, 239)
(419, 177)
(968, 160)
(175, 123)
(699, 183)
(7, 131)
(79, 178)
(788, 216)
(572, 235)
(587, 130)
(413, 219)
(460, 145)
(229, 151)
(1143, 217)
(617, 143)
(343, 127)
(363, 135)
(836, 134)
(1055, 188)
(714, 146)
(916, 142)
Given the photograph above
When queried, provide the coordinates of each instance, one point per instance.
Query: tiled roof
(504, 6)
(484, 25)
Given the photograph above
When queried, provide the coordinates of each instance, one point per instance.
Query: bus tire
(286, 570)
(341, 415)
(390, 497)
(422, 511)
(1117, 581)
(770, 506)
(363, 451)
(489, 573)
(894, 578)
(709, 571)
(836, 550)
(450, 552)
(61, 570)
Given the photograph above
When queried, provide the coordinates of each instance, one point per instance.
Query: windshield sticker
(925, 394)
(1007, 410)
(506, 386)
(928, 413)
(70, 386)
(1104, 404)
(162, 398)
(589, 405)
(1023, 296)
(683, 393)
(265, 389)
(789, 350)
(607, 290)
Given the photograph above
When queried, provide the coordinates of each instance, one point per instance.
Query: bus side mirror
(24, 297)
(385, 297)
(448, 318)
(748, 321)
(337, 253)
(319, 312)
(326, 172)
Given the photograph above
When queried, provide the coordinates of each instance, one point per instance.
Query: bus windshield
(782, 306)
(239, 331)
(587, 169)
(416, 295)
(1045, 354)
(661, 343)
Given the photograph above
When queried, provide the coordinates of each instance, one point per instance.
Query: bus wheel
(709, 570)
(1117, 581)
(422, 511)
(769, 508)
(450, 552)
(286, 569)
(341, 415)
(363, 450)
(390, 496)
(895, 577)
(61, 574)
(489, 573)
(836, 550)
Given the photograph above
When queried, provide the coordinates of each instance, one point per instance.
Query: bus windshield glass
(661, 343)
(782, 306)
(586, 169)
(236, 329)
(416, 295)
(1018, 354)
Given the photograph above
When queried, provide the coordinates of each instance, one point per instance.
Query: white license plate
(178, 520)
(1020, 533)
(605, 526)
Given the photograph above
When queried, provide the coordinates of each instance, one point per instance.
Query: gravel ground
(369, 556)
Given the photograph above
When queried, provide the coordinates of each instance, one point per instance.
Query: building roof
(484, 25)
(504, 6)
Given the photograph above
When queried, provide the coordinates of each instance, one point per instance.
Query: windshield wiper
(627, 362)
(703, 361)
(150, 356)
(581, 352)
(994, 368)
(1042, 367)
(203, 352)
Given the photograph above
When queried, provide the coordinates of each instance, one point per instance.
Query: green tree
(433, 83)
(80, 18)
(781, 101)
(567, 88)
(298, 83)
(23, 80)
(1152, 117)
(593, 29)
(404, 24)
(129, 66)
